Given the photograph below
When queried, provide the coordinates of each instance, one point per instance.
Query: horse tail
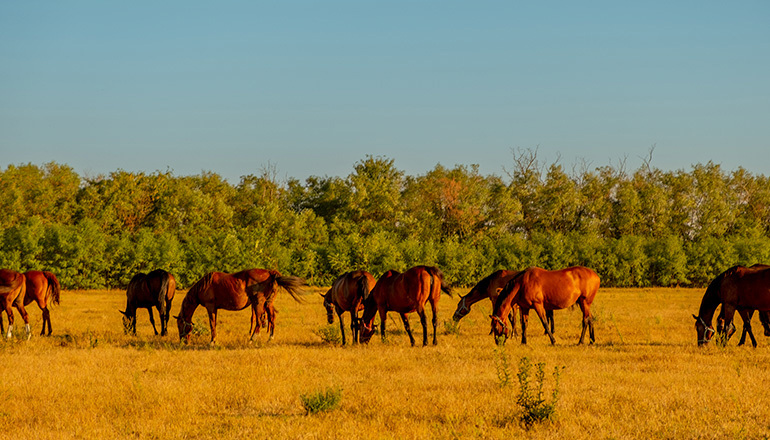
(54, 288)
(292, 284)
(363, 288)
(163, 293)
(436, 272)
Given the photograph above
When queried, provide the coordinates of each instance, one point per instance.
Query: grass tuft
(321, 401)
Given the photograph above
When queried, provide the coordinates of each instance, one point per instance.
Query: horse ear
(121, 311)
(696, 318)
(176, 317)
(491, 316)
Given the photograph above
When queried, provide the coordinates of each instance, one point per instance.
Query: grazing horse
(145, 291)
(404, 293)
(252, 287)
(546, 290)
(347, 294)
(43, 288)
(490, 287)
(739, 288)
(13, 287)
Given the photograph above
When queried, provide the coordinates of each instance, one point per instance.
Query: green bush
(534, 407)
(321, 401)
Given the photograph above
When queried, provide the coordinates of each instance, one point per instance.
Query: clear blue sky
(312, 87)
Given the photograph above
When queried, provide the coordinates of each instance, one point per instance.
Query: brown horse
(347, 294)
(252, 287)
(43, 288)
(145, 291)
(490, 287)
(546, 290)
(13, 287)
(404, 293)
(739, 288)
(764, 319)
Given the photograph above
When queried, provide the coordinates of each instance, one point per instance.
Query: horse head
(462, 308)
(367, 330)
(127, 321)
(185, 328)
(704, 331)
(329, 307)
(499, 328)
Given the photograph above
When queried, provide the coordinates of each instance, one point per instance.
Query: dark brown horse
(218, 290)
(546, 290)
(13, 287)
(490, 287)
(145, 291)
(43, 288)
(347, 294)
(739, 288)
(404, 293)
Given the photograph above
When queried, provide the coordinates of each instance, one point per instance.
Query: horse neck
(504, 301)
(189, 304)
(711, 300)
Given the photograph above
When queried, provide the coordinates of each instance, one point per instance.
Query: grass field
(644, 378)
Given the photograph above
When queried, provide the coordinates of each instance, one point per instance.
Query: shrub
(535, 408)
(321, 401)
(330, 334)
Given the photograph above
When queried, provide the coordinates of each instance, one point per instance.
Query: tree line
(643, 227)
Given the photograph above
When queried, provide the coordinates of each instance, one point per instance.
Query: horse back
(13, 286)
(351, 289)
(749, 287)
(558, 289)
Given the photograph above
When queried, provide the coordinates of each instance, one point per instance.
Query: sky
(310, 88)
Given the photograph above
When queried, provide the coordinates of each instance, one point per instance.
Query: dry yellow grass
(645, 377)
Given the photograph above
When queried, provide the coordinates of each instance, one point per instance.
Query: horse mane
(54, 288)
(483, 285)
(711, 298)
(506, 291)
(199, 286)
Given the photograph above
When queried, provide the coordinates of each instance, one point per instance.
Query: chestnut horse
(13, 287)
(347, 294)
(739, 288)
(43, 288)
(252, 287)
(404, 293)
(490, 287)
(145, 291)
(546, 290)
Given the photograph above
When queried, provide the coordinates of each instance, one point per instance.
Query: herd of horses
(741, 289)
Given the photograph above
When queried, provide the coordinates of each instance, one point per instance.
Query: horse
(546, 290)
(145, 291)
(347, 294)
(43, 288)
(764, 319)
(490, 287)
(252, 287)
(13, 287)
(404, 293)
(739, 288)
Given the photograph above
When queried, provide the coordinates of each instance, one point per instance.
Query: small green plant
(502, 366)
(330, 334)
(452, 327)
(321, 401)
(200, 328)
(535, 408)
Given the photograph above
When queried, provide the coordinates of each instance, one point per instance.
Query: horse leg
(383, 318)
(434, 320)
(19, 304)
(213, 324)
(512, 319)
(9, 312)
(152, 321)
(540, 310)
(46, 319)
(588, 322)
(747, 315)
(524, 321)
(271, 312)
(549, 315)
(407, 327)
(729, 313)
(342, 324)
(745, 331)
